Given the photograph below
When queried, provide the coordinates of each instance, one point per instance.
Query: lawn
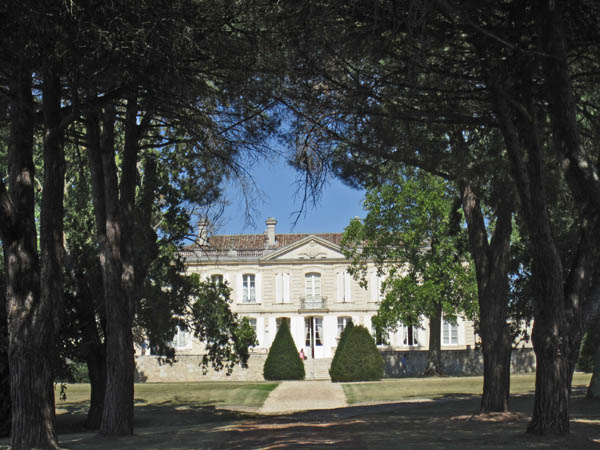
(223, 394)
(391, 390)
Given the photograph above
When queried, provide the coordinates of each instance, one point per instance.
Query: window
(248, 288)
(410, 336)
(280, 320)
(182, 339)
(282, 288)
(314, 331)
(252, 323)
(449, 333)
(375, 287)
(381, 336)
(216, 279)
(312, 287)
(342, 322)
(343, 287)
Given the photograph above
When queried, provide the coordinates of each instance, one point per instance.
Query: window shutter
(347, 287)
(286, 288)
(239, 288)
(258, 280)
(279, 288)
(339, 287)
(374, 285)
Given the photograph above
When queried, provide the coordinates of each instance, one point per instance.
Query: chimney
(271, 222)
(203, 225)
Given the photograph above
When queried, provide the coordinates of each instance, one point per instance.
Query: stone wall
(188, 368)
(455, 362)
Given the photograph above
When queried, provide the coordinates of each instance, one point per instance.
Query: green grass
(248, 394)
(391, 390)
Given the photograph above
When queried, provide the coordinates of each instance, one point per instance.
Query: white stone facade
(303, 279)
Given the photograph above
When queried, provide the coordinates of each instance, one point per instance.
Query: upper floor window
(449, 333)
(282, 288)
(343, 287)
(249, 288)
(312, 286)
(375, 285)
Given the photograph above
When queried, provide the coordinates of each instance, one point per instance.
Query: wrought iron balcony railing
(313, 303)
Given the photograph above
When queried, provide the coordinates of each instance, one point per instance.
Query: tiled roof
(258, 241)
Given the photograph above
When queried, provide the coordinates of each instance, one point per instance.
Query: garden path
(292, 396)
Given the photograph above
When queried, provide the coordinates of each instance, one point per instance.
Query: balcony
(313, 304)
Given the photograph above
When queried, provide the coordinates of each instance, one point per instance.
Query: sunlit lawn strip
(249, 394)
(391, 390)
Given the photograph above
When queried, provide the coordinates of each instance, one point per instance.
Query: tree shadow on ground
(440, 424)
(444, 423)
(164, 414)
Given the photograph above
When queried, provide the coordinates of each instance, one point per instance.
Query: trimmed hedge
(357, 357)
(338, 350)
(283, 362)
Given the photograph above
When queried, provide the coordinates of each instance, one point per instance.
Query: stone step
(317, 369)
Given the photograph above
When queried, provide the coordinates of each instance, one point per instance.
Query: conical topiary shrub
(283, 362)
(358, 358)
(338, 350)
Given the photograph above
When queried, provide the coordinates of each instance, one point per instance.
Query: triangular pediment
(309, 248)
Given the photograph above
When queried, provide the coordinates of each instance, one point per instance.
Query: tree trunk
(117, 414)
(552, 384)
(31, 318)
(496, 374)
(434, 359)
(491, 266)
(5, 405)
(96, 363)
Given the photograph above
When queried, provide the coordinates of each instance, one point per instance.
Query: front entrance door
(313, 327)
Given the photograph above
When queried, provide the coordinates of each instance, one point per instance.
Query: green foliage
(358, 358)
(341, 343)
(412, 233)
(226, 337)
(283, 361)
(590, 344)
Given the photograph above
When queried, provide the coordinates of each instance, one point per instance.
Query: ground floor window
(449, 333)
(381, 335)
(314, 331)
(280, 320)
(216, 279)
(252, 322)
(182, 339)
(410, 336)
(342, 322)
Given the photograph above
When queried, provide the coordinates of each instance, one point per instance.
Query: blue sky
(277, 183)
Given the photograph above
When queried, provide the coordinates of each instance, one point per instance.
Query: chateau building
(301, 279)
